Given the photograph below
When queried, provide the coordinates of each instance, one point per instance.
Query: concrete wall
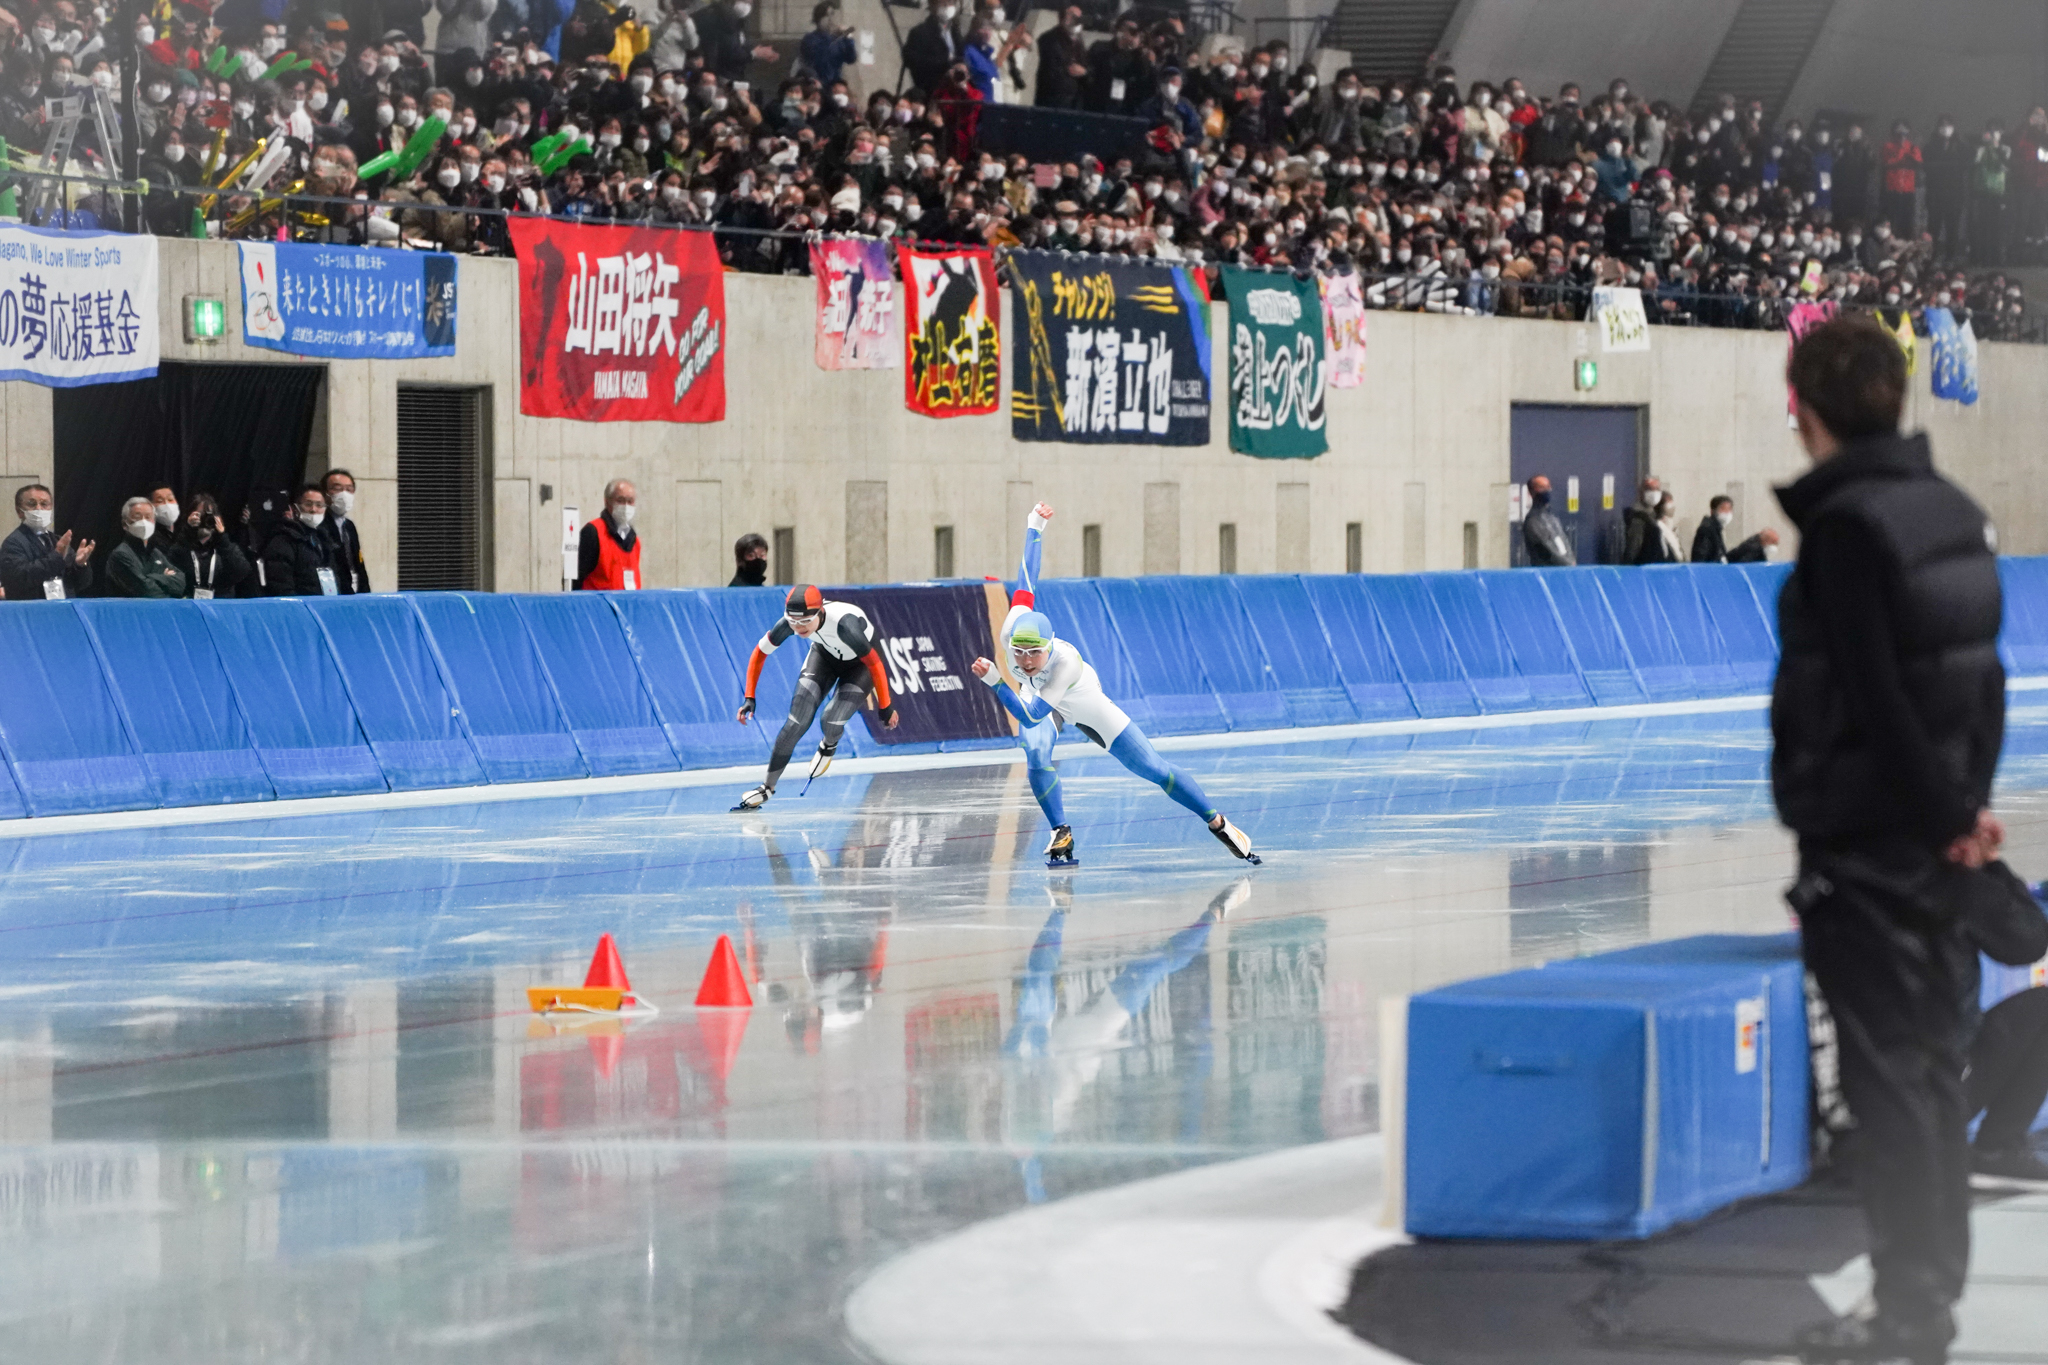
(1663, 50)
(1418, 451)
(1886, 59)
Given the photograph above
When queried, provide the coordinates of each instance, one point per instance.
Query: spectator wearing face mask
(1988, 175)
(1639, 524)
(1543, 535)
(465, 28)
(340, 528)
(1062, 63)
(213, 565)
(1902, 161)
(299, 561)
(750, 561)
(138, 568)
(1948, 158)
(608, 551)
(35, 562)
(1709, 543)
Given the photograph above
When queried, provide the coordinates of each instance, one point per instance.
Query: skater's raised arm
(1025, 597)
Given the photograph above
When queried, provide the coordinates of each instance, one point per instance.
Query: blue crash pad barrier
(1302, 660)
(168, 682)
(597, 681)
(299, 710)
(1479, 641)
(116, 705)
(1609, 1097)
(1536, 638)
(65, 740)
(506, 697)
(1422, 645)
(691, 677)
(403, 701)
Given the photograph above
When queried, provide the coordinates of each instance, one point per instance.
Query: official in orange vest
(608, 552)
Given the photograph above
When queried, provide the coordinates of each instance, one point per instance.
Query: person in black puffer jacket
(299, 560)
(1887, 716)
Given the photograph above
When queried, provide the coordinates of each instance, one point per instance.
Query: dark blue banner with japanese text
(1110, 352)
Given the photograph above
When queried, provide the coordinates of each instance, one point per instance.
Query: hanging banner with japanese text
(77, 307)
(1801, 319)
(1618, 313)
(856, 305)
(1113, 352)
(952, 349)
(1277, 366)
(1344, 329)
(620, 324)
(1955, 356)
(347, 303)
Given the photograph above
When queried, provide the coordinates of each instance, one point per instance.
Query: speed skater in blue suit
(1058, 687)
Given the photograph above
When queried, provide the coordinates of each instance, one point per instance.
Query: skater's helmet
(1032, 631)
(804, 600)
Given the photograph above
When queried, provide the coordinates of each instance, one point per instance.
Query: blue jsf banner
(928, 637)
(347, 303)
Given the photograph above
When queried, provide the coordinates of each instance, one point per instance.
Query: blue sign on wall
(347, 303)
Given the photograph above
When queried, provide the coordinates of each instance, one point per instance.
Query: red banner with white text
(620, 324)
(952, 351)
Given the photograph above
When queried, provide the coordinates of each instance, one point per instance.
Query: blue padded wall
(1479, 642)
(597, 682)
(1645, 633)
(1604, 662)
(168, 681)
(693, 680)
(1696, 637)
(1358, 644)
(115, 705)
(505, 695)
(1303, 662)
(65, 739)
(1216, 628)
(1422, 645)
(405, 705)
(1536, 638)
(1169, 668)
(299, 710)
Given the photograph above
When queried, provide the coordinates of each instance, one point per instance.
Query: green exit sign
(1585, 374)
(206, 319)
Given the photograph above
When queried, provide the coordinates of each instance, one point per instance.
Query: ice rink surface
(271, 1090)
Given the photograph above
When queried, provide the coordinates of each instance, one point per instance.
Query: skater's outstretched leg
(1135, 752)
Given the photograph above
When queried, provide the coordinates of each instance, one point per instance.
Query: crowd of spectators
(284, 544)
(1475, 197)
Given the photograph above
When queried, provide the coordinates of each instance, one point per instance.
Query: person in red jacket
(1901, 180)
(608, 551)
(845, 661)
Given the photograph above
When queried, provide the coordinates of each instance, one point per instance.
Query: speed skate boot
(756, 798)
(1234, 839)
(1060, 852)
(823, 761)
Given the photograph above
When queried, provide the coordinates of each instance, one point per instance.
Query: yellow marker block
(545, 998)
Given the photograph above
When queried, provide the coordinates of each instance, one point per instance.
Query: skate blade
(1062, 864)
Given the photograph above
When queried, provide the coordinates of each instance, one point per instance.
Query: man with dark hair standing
(1710, 541)
(750, 561)
(350, 573)
(299, 560)
(1887, 717)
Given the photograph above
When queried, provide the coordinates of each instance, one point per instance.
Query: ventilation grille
(440, 489)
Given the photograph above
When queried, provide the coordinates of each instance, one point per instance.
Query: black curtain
(228, 430)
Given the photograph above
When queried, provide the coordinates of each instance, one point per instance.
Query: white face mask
(470, 170)
(174, 152)
(271, 46)
(384, 115)
(342, 502)
(1651, 498)
(1724, 517)
(449, 179)
(408, 117)
(946, 13)
(166, 513)
(158, 93)
(387, 64)
(622, 513)
(141, 530)
(495, 183)
(39, 518)
(607, 140)
(312, 520)
(145, 34)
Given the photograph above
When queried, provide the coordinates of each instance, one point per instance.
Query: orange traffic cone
(725, 985)
(604, 988)
(607, 972)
